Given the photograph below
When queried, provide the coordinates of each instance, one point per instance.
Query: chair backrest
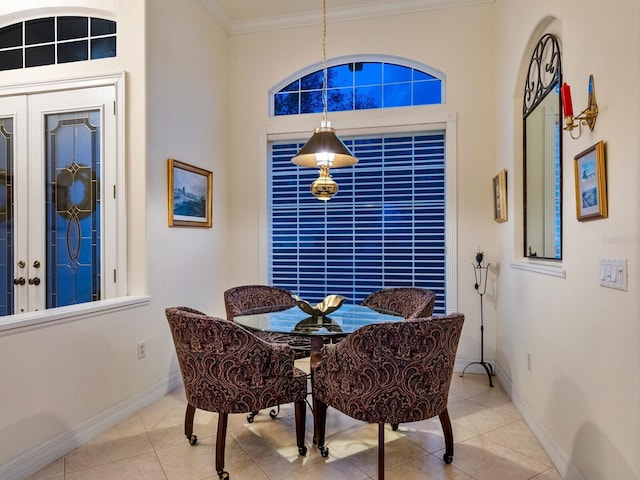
(224, 367)
(408, 302)
(393, 372)
(254, 299)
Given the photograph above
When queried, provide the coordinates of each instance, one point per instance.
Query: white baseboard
(48, 452)
(558, 457)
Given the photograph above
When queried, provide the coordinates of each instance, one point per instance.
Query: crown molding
(396, 7)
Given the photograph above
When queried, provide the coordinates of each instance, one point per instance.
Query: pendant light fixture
(324, 150)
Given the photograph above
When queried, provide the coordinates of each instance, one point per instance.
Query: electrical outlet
(142, 350)
(529, 360)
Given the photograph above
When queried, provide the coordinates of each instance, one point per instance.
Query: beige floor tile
(551, 474)
(478, 418)
(198, 462)
(311, 467)
(428, 467)
(484, 459)
(125, 440)
(492, 443)
(428, 434)
(360, 446)
(54, 471)
(266, 437)
(498, 399)
(142, 467)
(518, 437)
(471, 384)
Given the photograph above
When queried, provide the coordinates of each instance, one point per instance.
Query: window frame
(118, 248)
(353, 123)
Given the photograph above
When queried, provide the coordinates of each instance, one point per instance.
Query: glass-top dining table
(293, 321)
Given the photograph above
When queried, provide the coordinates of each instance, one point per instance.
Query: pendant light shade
(324, 148)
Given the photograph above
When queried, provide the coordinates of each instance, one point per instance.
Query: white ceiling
(242, 16)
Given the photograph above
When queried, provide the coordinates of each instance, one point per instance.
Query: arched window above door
(52, 40)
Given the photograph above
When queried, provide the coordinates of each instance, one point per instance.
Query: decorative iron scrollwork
(544, 72)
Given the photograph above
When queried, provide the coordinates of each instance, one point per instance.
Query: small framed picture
(500, 213)
(190, 193)
(591, 183)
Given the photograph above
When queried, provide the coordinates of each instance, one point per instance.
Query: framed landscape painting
(190, 195)
(591, 183)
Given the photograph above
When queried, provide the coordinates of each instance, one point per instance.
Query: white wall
(58, 381)
(259, 61)
(582, 391)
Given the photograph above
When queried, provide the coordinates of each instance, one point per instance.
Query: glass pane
(73, 166)
(368, 73)
(340, 76)
(73, 51)
(340, 99)
(368, 97)
(103, 47)
(11, 59)
(41, 30)
(287, 104)
(311, 102)
(6, 216)
(11, 36)
(100, 26)
(396, 73)
(72, 27)
(292, 87)
(427, 93)
(312, 81)
(36, 56)
(397, 95)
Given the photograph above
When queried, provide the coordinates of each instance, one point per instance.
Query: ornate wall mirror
(543, 152)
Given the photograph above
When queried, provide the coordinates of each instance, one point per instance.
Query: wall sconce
(586, 117)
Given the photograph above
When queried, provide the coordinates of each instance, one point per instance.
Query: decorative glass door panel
(73, 207)
(6, 216)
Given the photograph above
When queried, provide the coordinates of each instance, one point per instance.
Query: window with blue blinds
(384, 228)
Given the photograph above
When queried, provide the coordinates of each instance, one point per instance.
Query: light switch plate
(613, 273)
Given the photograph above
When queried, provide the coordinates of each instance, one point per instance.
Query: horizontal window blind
(384, 228)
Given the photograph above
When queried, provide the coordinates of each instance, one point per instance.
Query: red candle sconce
(586, 117)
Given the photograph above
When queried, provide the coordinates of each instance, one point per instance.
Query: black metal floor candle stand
(481, 288)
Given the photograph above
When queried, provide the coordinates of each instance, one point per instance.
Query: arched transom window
(360, 85)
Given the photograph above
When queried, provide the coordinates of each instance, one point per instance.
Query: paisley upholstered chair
(392, 372)
(407, 302)
(256, 299)
(226, 369)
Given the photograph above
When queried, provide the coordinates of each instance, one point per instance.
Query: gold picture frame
(591, 183)
(500, 212)
(189, 195)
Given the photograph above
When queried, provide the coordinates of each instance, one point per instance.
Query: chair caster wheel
(302, 450)
(394, 426)
(447, 458)
(251, 416)
(223, 475)
(193, 439)
(324, 451)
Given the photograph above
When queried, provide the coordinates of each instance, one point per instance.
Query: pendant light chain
(324, 60)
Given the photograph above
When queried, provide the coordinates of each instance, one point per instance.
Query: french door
(57, 163)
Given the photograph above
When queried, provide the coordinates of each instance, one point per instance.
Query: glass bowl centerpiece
(331, 303)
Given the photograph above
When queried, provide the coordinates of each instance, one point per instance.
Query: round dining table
(293, 321)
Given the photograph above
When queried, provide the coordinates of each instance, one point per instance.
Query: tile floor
(492, 442)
